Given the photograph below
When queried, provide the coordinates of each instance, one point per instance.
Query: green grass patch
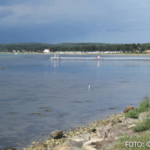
(120, 145)
(144, 105)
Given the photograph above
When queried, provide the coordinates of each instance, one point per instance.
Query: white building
(46, 50)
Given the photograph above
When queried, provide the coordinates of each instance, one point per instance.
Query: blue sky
(59, 21)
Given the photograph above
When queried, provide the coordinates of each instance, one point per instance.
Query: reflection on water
(29, 82)
(55, 63)
(98, 63)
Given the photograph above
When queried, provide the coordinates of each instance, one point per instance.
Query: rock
(111, 123)
(92, 144)
(48, 110)
(33, 142)
(78, 128)
(31, 148)
(117, 120)
(63, 147)
(77, 133)
(143, 115)
(131, 126)
(113, 108)
(91, 130)
(94, 137)
(51, 143)
(2, 69)
(128, 108)
(121, 119)
(40, 146)
(114, 114)
(130, 121)
(103, 132)
(65, 135)
(110, 132)
(72, 143)
(57, 134)
(77, 140)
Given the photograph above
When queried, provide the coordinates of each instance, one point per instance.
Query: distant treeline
(39, 47)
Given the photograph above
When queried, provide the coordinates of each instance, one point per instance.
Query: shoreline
(81, 132)
(124, 54)
(103, 134)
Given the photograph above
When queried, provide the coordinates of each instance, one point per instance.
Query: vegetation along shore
(111, 133)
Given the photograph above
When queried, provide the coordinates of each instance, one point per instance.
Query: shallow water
(31, 81)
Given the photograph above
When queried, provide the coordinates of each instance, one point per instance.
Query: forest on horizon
(39, 47)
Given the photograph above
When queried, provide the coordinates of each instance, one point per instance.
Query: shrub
(132, 114)
(143, 106)
(142, 126)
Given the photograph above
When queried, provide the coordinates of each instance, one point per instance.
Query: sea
(39, 95)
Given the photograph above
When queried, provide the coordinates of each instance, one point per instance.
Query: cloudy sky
(59, 21)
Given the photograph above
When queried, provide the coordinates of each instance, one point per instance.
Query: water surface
(31, 81)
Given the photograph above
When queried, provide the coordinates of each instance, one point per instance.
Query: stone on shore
(128, 108)
(130, 121)
(111, 123)
(92, 144)
(111, 132)
(143, 115)
(71, 144)
(131, 126)
(57, 134)
(106, 131)
(40, 146)
(77, 140)
(91, 130)
(93, 137)
(63, 147)
(77, 144)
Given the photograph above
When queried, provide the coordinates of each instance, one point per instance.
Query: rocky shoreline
(94, 136)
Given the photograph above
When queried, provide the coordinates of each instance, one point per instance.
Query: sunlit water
(31, 81)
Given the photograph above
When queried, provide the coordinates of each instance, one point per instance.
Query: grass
(143, 138)
(144, 105)
(142, 125)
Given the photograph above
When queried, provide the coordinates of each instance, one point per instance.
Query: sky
(74, 21)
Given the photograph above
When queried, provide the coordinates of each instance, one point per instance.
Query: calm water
(31, 81)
